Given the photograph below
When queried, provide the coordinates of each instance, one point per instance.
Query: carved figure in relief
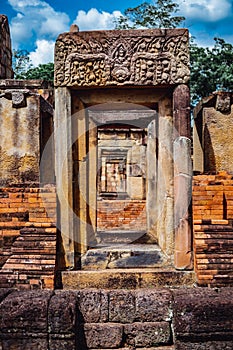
(121, 63)
(109, 60)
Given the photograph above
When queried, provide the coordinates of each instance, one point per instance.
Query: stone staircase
(118, 261)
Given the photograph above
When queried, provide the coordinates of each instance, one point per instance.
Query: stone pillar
(165, 202)
(63, 170)
(92, 185)
(183, 191)
(79, 128)
(183, 177)
(6, 71)
(152, 210)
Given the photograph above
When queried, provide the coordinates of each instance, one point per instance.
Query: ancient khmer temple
(115, 210)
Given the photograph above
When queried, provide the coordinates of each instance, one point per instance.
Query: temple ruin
(113, 216)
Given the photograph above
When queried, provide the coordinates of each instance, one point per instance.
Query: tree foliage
(43, 71)
(23, 68)
(160, 14)
(211, 68)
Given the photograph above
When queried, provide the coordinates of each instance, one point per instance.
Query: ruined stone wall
(22, 126)
(121, 215)
(213, 229)
(27, 237)
(163, 319)
(5, 49)
(213, 134)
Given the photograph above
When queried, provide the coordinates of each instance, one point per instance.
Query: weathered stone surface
(123, 256)
(4, 292)
(21, 144)
(92, 306)
(62, 320)
(121, 306)
(203, 314)
(27, 343)
(102, 336)
(171, 347)
(59, 343)
(147, 334)
(181, 111)
(132, 57)
(209, 345)
(213, 132)
(25, 312)
(153, 305)
(126, 279)
(167, 278)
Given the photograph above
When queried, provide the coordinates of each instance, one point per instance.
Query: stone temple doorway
(121, 182)
(142, 91)
(119, 236)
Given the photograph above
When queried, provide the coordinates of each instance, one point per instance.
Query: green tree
(23, 68)
(160, 14)
(43, 71)
(211, 69)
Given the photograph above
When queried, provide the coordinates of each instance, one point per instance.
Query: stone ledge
(129, 279)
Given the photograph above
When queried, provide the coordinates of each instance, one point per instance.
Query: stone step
(128, 279)
(119, 236)
(123, 256)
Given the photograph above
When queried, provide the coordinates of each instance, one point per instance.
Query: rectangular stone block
(24, 342)
(61, 343)
(147, 334)
(100, 336)
(153, 305)
(25, 312)
(92, 306)
(121, 306)
(215, 345)
(200, 314)
(62, 313)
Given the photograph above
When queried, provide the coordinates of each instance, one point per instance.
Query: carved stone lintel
(132, 57)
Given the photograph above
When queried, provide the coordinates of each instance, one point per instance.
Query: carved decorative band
(113, 58)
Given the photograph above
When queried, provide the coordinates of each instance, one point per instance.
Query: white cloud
(95, 20)
(44, 52)
(205, 10)
(36, 19)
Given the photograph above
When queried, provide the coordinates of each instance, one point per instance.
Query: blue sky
(35, 24)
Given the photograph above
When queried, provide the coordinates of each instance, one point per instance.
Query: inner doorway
(121, 183)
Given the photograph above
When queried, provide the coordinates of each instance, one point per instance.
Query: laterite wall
(212, 229)
(27, 236)
(161, 319)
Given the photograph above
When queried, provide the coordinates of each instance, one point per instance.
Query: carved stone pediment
(127, 57)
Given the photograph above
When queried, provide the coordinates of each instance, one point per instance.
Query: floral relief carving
(122, 58)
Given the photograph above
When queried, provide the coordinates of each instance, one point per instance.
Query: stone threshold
(123, 256)
(128, 278)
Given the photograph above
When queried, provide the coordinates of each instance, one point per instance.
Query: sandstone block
(147, 334)
(153, 305)
(209, 345)
(26, 342)
(101, 336)
(59, 343)
(121, 306)
(62, 320)
(25, 312)
(92, 306)
(201, 313)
